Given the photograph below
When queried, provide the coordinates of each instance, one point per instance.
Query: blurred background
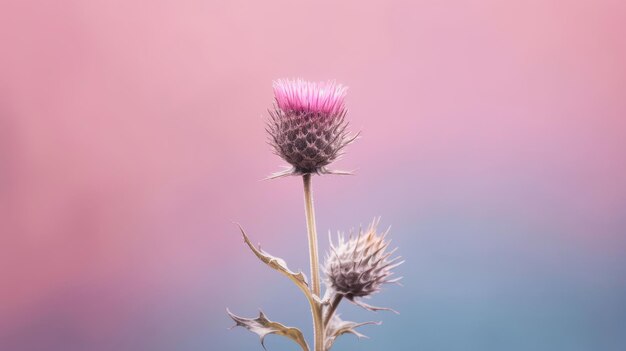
(132, 136)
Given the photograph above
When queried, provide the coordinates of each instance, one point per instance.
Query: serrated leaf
(337, 327)
(280, 265)
(370, 307)
(264, 327)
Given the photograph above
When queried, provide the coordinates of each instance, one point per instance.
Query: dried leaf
(370, 307)
(280, 265)
(263, 327)
(288, 171)
(337, 327)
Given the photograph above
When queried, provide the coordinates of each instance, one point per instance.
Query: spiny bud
(359, 266)
(307, 126)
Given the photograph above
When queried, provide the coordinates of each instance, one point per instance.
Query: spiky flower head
(360, 265)
(307, 125)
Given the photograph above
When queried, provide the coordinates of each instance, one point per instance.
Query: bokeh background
(131, 137)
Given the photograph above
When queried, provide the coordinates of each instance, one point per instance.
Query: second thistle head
(307, 126)
(359, 266)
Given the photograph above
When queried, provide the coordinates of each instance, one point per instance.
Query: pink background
(131, 137)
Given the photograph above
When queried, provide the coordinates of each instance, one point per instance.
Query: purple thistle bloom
(302, 96)
(307, 126)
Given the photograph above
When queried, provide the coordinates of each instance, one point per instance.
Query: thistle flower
(307, 125)
(307, 128)
(359, 266)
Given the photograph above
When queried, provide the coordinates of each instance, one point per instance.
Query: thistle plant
(307, 128)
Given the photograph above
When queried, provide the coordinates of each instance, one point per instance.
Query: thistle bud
(359, 266)
(307, 127)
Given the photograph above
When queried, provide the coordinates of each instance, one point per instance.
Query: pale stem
(331, 309)
(316, 311)
(310, 224)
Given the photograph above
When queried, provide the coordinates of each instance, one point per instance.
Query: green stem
(316, 309)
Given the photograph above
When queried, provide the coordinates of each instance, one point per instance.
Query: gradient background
(131, 136)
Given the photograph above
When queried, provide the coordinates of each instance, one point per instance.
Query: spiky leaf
(278, 264)
(337, 327)
(370, 307)
(264, 327)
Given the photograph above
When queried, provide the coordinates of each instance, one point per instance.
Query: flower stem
(331, 309)
(316, 309)
(310, 224)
